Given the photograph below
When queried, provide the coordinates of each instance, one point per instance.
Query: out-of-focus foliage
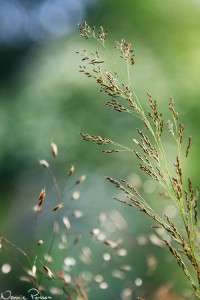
(38, 21)
(43, 98)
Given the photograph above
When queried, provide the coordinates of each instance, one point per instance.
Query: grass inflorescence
(149, 150)
(66, 256)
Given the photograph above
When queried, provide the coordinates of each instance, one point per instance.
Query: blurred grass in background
(43, 98)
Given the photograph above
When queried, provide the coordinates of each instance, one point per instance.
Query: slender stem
(55, 184)
(128, 72)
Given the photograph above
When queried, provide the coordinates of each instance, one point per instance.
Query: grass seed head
(71, 171)
(54, 149)
(48, 272)
(41, 197)
(57, 207)
(44, 163)
(81, 179)
(40, 242)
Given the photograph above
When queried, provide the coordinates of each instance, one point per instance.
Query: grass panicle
(151, 154)
(39, 261)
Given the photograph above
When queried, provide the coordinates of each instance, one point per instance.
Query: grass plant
(149, 149)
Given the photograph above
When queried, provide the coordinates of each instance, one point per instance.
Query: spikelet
(81, 179)
(57, 207)
(44, 163)
(54, 149)
(48, 272)
(41, 197)
(71, 171)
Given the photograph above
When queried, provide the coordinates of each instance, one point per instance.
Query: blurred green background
(44, 99)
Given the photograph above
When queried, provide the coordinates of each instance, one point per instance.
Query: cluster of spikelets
(149, 150)
(37, 261)
(75, 277)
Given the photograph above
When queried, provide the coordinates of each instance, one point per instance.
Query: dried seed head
(44, 163)
(188, 146)
(102, 35)
(54, 149)
(114, 103)
(81, 179)
(33, 271)
(179, 260)
(71, 171)
(181, 128)
(110, 151)
(57, 207)
(171, 107)
(170, 127)
(40, 242)
(196, 206)
(126, 51)
(41, 197)
(95, 138)
(86, 31)
(48, 272)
